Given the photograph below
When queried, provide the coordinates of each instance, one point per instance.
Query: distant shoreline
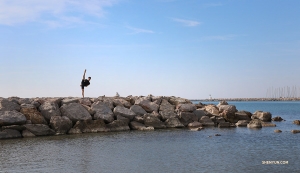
(246, 99)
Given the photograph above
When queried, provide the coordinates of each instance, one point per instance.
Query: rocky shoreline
(31, 117)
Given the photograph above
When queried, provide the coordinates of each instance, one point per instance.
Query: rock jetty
(31, 117)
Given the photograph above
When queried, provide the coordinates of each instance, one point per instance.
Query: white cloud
(186, 22)
(139, 30)
(53, 12)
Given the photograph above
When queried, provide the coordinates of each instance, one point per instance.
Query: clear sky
(185, 48)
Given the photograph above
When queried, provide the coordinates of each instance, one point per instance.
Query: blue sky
(185, 48)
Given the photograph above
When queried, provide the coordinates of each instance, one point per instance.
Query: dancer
(84, 82)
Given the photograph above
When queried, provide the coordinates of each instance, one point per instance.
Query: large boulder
(187, 117)
(228, 108)
(85, 101)
(139, 126)
(61, 125)
(138, 110)
(254, 124)
(264, 116)
(27, 133)
(148, 106)
(103, 111)
(199, 113)
(189, 107)
(151, 120)
(11, 118)
(242, 123)
(89, 126)
(118, 125)
(10, 133)
(167, 110)
(229, 116)
(75, 112)
(173, 123)
(49, 109)
(206, 121)
(212, 109)
(6, 105)
(121, 102)
(124, 112)
(39, 129)
(243, 115)
(157, 99)
(177, 100)
(32, 114)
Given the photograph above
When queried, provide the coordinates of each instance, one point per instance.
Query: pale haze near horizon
(190, 49)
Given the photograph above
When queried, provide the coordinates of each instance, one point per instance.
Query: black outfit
(84, 83)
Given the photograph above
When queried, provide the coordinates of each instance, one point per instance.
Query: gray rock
(173, 123)
(224, 124)
(167, 110)
(157, 99)
(121, 102)
(118, 125)
(206, 121)
(69, 100)
(61, 125)
(194, 124)
(85, 101)
(27, 133)
(124, 112)
(264, 116)
(189, 107)
(223, 102)
(10, 133)
(6, 105)
(295, 131)
(199, 113)
(138, 110)
(242, 123)
(102, 111)
(296, 122)
(254, 124)
(151, 120)
(32, 114)
(25, 101)
(228, 108)
(11, 118)
(39, 129)
(14, 127)
(277, 118)
(148, 106)
(89, 109)
(75, 112)
(243, 115)
(139, 119)
(187, 117)
(139, 126)
(277, 131)
(212, 109)
(94, 126)
(49, 109)
(177, 100)
(119, 117)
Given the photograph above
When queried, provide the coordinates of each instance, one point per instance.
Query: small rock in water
(277, 131)
(295, 131)
(296, 122)
(278, 118)
(217, 134)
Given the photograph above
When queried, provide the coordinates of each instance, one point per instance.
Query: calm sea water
(171, 150)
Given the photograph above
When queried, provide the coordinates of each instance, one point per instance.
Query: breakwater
(31, 117)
